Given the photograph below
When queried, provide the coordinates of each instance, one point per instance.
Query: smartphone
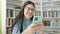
(37, 19)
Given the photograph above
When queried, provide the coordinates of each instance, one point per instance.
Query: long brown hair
(20, 16)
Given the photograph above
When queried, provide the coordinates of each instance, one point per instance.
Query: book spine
(11, 13)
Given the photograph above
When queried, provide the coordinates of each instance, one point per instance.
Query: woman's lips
(29, 14)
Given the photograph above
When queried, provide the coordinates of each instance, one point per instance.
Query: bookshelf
(10, 15)
(51, 16)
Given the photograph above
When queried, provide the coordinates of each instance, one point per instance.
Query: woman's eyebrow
(30, 8)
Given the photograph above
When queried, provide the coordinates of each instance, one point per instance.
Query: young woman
(23, 21)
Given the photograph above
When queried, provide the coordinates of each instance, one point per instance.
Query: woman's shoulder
(18, 22)
(17, 25)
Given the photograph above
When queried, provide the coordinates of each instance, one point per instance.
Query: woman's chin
(28, 17)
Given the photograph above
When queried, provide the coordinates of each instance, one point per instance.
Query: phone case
(37, 20)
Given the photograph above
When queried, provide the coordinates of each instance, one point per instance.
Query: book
(58, 13)
(55, 23)
(16, 12)
(11, 13)
(46, 22)
(37, 13)
(9, 22)
(7, 10)
(53, 13)
(44, 13)
(48, 13)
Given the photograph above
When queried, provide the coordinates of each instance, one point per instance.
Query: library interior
(49, 10)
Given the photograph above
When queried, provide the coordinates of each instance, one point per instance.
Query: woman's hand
(33, 28)
(40, 28)
(30, 29)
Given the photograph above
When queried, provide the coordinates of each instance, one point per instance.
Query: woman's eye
(28, 8)
(32, 9)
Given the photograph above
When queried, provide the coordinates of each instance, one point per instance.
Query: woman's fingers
(40, 28)
(32, 27)
(35, 27)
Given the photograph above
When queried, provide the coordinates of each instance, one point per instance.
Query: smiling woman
(23, 21)
(0, 18)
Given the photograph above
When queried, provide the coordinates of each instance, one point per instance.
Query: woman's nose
(30, 11)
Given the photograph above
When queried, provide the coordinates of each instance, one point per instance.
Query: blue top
(16, 29)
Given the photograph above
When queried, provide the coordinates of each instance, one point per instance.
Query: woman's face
(28, 11)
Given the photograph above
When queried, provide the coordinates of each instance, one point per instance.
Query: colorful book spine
(16, 12)
(46, 23)
(11, 13)
(9, 22)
